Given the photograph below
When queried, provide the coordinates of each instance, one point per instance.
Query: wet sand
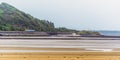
(42, 49)
(59, 45)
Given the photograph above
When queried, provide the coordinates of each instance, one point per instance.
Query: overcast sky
(74, 14)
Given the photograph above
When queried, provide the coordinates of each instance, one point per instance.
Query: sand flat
(61, 56)
(41, 49)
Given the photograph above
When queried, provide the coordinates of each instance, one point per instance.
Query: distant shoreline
(59, 38)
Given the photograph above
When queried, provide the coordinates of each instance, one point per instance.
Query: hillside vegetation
(12, 19)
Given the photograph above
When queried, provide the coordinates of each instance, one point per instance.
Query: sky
(74, 14)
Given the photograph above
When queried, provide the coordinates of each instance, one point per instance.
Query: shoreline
(58, 38)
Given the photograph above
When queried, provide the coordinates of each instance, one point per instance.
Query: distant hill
(12, 19)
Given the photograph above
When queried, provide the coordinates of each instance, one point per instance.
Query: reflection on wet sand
(59, 45)
(49, 49)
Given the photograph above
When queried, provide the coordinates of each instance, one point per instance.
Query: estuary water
(110, 33)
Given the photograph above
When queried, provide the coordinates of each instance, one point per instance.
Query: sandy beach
(44, 49)
(61, 56)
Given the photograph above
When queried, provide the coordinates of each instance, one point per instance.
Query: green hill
(12, 19)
